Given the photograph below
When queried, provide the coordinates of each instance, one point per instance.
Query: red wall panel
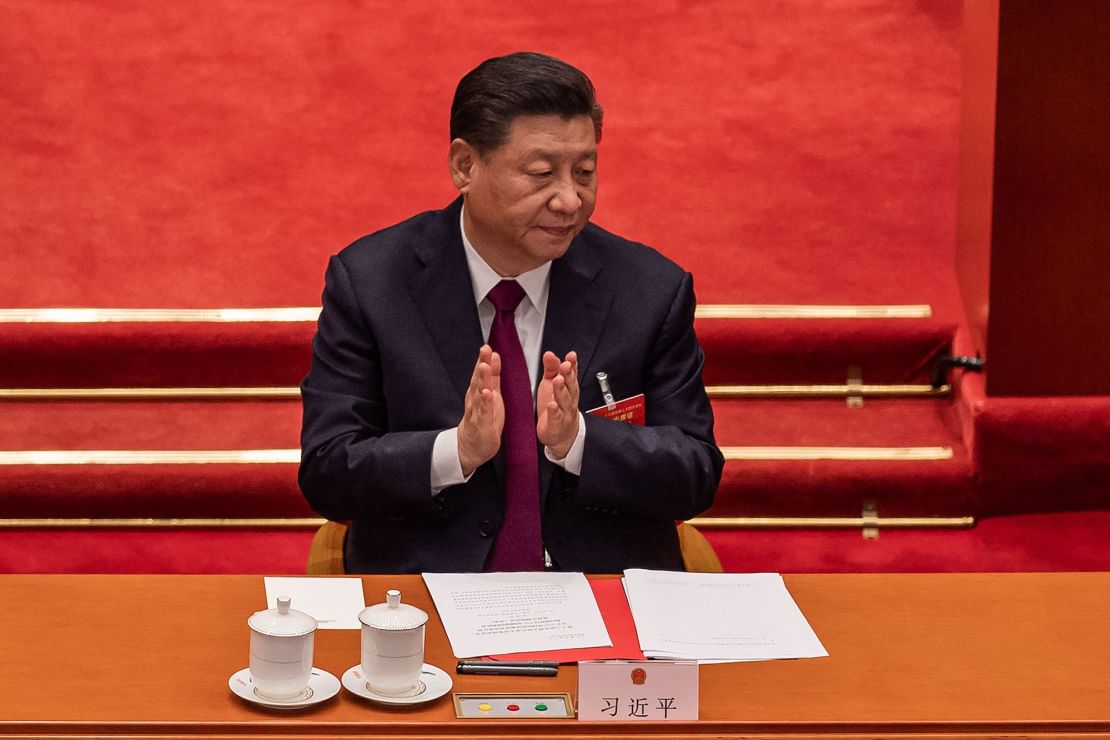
(1049, 192)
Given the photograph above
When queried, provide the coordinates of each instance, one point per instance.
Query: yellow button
(485, 707)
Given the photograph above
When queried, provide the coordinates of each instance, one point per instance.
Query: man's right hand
(479, 432)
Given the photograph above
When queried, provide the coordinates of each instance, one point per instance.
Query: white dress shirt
(529, 319)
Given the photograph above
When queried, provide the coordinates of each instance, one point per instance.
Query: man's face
(527, 199)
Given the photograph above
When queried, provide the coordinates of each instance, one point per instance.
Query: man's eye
(586, 173)
(545, 173)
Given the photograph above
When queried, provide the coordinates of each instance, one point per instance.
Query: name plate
(634, 690)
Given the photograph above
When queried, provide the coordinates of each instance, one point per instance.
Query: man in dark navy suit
(458, 353)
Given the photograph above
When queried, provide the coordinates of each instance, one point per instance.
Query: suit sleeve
(352, 464)
(670, 467)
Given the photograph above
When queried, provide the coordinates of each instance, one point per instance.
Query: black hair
(490, 96)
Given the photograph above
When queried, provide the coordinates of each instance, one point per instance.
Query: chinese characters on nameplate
(630, 691)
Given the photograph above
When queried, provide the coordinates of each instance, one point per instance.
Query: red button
(513, 708)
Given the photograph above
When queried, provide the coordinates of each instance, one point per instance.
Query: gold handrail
(889, 454)
(292, 456)
(828, 391)
(142, 394)
(293, 392)
(159, 315)
(791, 311)
(156, 523)
(737, 522)
(149, 457)
(311, 313)
(830, 522)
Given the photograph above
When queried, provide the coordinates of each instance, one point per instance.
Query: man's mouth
(558, 230)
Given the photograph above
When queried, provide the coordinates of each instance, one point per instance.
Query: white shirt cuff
(572, 463)
(446, 466)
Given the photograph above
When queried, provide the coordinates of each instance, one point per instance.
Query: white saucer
(433, 684)
(321, 687)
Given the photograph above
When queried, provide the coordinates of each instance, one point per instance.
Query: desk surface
(998, 654)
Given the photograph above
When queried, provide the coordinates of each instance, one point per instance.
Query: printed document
(493, 613)
(718, 616)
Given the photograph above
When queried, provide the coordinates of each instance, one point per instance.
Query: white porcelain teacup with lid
(281, 651)
(392, 645)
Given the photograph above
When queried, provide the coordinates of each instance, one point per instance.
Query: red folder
(613, 604)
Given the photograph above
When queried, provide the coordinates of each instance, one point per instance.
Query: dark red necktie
(519, 545)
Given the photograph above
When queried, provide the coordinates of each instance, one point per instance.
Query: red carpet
(151, 490)
(262, 551)
(1044, 542)
(1075, 541)
(839, 488)
(762, 351)
(130, 355)
(184, 156)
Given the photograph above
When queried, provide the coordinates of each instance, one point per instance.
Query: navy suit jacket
(392, 358)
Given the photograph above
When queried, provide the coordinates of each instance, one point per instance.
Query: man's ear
(461, 159)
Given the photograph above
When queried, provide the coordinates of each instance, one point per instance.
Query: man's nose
(565, 198)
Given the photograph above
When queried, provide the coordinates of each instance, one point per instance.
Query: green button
(541, 707)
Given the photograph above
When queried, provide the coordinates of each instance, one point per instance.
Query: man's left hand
(557, 404)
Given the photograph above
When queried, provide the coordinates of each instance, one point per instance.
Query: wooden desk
(1002, 655)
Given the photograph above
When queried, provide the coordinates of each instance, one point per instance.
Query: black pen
(509, 667)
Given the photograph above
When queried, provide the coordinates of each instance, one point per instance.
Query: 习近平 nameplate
(631, 690)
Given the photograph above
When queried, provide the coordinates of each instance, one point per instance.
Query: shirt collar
(483, 278)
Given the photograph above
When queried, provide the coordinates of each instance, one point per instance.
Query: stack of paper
(492, 613)
(718, 616)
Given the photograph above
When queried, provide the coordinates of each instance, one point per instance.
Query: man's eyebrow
(533, 154)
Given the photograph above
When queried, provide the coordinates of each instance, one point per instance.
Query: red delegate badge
(632, 410)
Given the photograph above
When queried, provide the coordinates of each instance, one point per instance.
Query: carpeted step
(1037, 454)
(150, 459)
(135, 354)
(821, 351)
(262, 550)
(801, 458)
(1071, 541)
(163, 354)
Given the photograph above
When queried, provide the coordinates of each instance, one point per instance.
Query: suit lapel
(442, 292)
(576, 306)
(576, 312)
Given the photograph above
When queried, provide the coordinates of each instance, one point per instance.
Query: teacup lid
(393, 615)
(283, 621)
